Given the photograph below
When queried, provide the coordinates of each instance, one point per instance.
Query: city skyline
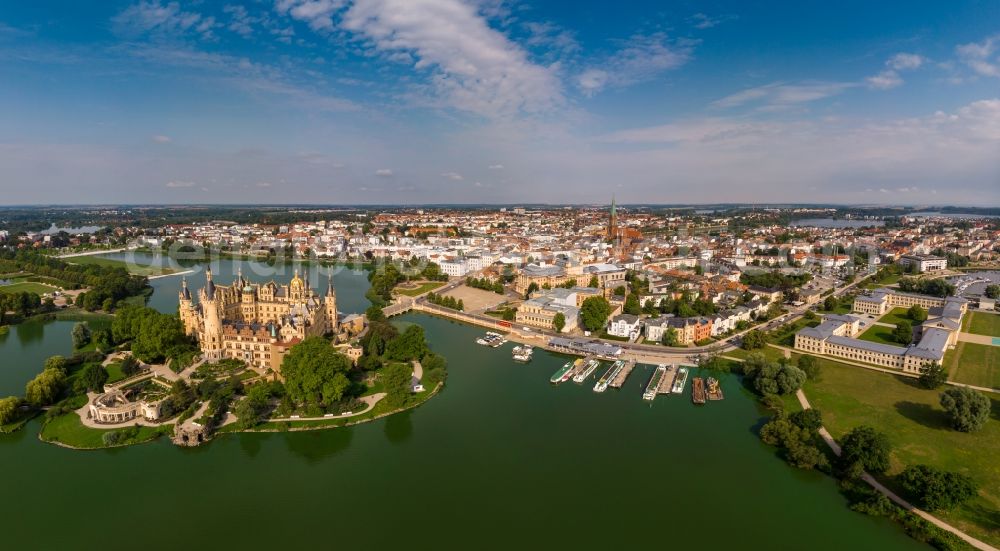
(491, 102)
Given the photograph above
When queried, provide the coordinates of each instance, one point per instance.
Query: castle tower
(211, 341)
(296, 288)
(330, 303)
(186, 310)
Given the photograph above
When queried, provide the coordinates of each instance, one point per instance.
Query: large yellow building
(253, 322)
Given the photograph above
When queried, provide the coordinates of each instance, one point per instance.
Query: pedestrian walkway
(979, 339)
(825, 434)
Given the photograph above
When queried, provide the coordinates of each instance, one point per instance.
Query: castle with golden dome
(255, 322)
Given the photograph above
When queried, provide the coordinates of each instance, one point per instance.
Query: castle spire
(329, 285)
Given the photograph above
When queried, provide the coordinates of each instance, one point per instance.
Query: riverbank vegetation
(385, 277)
(446, 301)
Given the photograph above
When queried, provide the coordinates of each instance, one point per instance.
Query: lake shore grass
(912, 418)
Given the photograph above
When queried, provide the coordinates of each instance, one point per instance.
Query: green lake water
(500, 459)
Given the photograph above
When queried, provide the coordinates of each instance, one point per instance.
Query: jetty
(619, 378)
(667, 381)
(714, 390)
(654, 383)
(698, 390)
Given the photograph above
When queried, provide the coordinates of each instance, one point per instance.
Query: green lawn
(982, 323)
(422, 288)
(136, 269)
(895, 316)
(28, 287)
(912, 418)
(769, 352)
(877, 333)
(115, 374)
(974, 364)
(67, 429)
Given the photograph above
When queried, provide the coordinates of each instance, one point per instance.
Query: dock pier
(619, 379)
(667, 381)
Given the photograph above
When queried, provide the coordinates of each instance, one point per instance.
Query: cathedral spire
(329, 285)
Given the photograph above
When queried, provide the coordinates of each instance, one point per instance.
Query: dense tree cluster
(107, 284)
(753, 340)
(594, 313)
(154, 336)
(485, 284)
(767, 377)
(9, 409)
(866, 449)
(967, 408)
(933, 287)
(46, 388)
(796, 436)
(775, 280)
(22, 304)
(935, 489)
(315, 374)
(447, 301)
(387, 276)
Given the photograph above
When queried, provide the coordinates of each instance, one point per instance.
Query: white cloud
(905, 61)
(641, 58)
(885, 80)
(263, 184)
(702, 21)
(159, 138)
(179, 183)
(240, 21)
(889, 77)
(384, 172)
(318, 14)
(473, 66)
(453, 176)
(981, 56)
(155, 17)
(780, 94)
(495, 167)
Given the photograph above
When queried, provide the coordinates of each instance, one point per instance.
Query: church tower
(613, 222)
(330, 303)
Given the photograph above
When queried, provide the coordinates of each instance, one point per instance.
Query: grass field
(28, 287)
(67, 429)
(981, 323)
(895, 316)
(136, 269)
(422, 288)
(849, 396)
(879, 334)
(974, 364)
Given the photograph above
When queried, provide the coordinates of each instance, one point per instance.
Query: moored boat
(680, 380)
(587, 371)
(654, 382)
(523, 353)
(698, 390)
(602, 384)
(561, 374)
(714, 390)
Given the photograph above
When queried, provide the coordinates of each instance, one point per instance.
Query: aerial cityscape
(408, 273)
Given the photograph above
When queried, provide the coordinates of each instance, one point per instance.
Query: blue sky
(469, 101)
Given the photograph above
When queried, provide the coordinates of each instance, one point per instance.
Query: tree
(932, 375)
(532, 287)
(809, 419)
(80, 335)
(315, 374)
(594, 313)
(374, 313)
(55, 362)
(917, 313)
(934, 489)
(45, 388)
(903, 332)
(809, 366)
(130, 366)
(831, 303)
(866, 447)
(669, 337)
(619, 290)
(992, 291)
(967, 408)
(397, 378)
(778, 378)
(250, 409)
(594, 282)
(93, 377)
(410, 345)
(632, 305)
(753, 340)
(8, 409)
(558, 322)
